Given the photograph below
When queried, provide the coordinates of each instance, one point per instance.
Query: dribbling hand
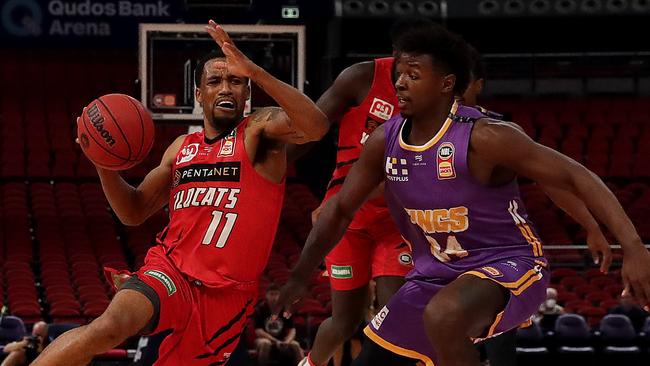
(236, 61)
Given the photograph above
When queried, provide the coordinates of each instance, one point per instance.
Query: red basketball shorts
(371, 247)
(207, 322)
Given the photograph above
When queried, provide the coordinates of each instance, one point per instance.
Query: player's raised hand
(636, 275)
(236, 61)
(600, 250)
(290, 294)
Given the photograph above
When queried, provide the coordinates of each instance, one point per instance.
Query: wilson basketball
(115, 131)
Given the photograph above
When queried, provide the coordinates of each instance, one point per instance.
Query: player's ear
(448, 83)
(480, 84)
(248, 89)
(198, 95)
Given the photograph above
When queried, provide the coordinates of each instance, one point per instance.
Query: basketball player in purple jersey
(449, 175)
(501, 350)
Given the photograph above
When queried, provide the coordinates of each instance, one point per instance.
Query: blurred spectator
(25, 351)
(275, 335)
(630, 308)
(549, 310)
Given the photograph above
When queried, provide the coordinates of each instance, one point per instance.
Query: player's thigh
(128, 314)
(349, 307)
(391, 256)
(373, 354)
(386, 287)
(349, 263)
(469, 303)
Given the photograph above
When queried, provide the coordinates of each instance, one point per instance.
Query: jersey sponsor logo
(380, 317)
(445, 161)
(97, 121)
(381, 108)
(512, 265)
(492, 271)
(405, 259)
(202, 196)
(396, 169)
(440, 220)
(187, 153)
(228, 144)
(164, 279)
(341, 272)
(419, 160)
(217, 172)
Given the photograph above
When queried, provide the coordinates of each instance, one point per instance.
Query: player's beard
(225, 123)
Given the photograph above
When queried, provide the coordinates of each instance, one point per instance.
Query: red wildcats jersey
(223, 215)
(358, 123)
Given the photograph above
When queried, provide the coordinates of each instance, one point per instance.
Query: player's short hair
(200, 64)
(403, 25)
(272, 287)
(448, 50)
(478, 65)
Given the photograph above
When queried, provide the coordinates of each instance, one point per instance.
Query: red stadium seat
(597, 297)
(582, 290)
(614, 290)
(572, 281)
(602, 281)
(574, 305)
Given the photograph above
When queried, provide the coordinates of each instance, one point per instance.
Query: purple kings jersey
(450, 220)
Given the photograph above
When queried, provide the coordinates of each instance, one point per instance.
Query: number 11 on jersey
(214, 225)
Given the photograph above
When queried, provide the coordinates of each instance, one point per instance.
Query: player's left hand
(636, 275)
(290, 294)
(600, 249)
(236, 61)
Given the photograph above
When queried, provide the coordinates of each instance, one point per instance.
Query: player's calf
(128, 314)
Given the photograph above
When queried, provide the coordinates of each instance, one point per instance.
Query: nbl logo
(446, 169)
(381, 109)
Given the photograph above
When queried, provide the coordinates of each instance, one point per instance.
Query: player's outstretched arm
(301, 120)
(337, 213)
(347, 91)
(134, 205)
(572, 205)
(504, 145)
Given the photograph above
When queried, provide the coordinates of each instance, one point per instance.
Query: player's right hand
(600, 249)
(290, 294)
(636, 274)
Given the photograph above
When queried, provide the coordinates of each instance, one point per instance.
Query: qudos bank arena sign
(85, 18)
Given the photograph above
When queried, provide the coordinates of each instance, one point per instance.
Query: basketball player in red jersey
(225, 188)
(361, 98)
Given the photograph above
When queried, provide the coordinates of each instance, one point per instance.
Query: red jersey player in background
(361, 98)
(225, 187)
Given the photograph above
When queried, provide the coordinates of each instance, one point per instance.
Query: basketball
(115, 131)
